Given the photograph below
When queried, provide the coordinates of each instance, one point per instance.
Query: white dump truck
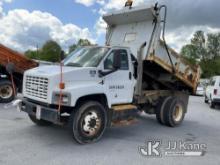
(102, 86)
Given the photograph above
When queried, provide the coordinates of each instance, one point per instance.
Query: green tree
(50, 51)
(206, 51)
(80, 43)
(189, 52)
(32, 54)
(199, 43)
(209, 68)
(83, 42)
(196, 50)
(213, 45)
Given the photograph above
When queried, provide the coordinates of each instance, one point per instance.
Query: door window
(108, 64)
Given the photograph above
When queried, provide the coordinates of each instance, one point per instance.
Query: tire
(39, 122)
(212, 104)
(6, 91)
(174, 112)
(206, 100)
(160, 109)
(88, 123)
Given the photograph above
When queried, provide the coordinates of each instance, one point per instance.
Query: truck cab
(86, 71)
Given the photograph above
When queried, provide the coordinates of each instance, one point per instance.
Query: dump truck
(12, 67)
(96, 87)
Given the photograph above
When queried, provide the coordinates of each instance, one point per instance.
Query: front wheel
(88, 123)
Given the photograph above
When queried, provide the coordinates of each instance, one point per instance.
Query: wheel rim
(178, 113)
(91, 123)
(6, 91)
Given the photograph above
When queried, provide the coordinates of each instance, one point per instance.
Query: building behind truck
(100, 86)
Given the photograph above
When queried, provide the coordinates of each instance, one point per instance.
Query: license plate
(38, 112)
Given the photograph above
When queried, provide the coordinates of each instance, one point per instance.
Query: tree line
(204, 50)
(51, 50)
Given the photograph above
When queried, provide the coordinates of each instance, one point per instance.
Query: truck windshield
(86, 57)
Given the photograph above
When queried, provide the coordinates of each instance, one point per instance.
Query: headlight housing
(65, 98)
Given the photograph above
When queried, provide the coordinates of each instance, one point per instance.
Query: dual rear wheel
(170, 111)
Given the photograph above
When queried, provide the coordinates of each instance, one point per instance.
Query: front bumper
(40, 111)
(200, 93)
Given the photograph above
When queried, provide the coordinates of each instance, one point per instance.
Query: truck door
(120, 84)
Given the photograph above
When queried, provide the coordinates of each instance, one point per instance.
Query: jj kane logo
(151, 149)
(155, 148)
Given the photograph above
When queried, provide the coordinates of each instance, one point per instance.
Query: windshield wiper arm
(73, 64)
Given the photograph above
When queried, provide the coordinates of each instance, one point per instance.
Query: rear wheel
(6, 91)
(89, 122)
(160, 109)
(206, 100)
(212, 104)
(174, 112)
(39, 122)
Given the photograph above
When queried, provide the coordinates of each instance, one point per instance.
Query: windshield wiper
(73, 64)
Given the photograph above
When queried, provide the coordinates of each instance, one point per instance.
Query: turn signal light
(62, 85)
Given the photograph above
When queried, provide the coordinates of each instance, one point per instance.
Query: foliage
(213, 45)
(80, 43)
(190, 53)
(205, 51)
(51, 50)
(32, 54)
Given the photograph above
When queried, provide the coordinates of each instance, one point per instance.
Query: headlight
(65, 99)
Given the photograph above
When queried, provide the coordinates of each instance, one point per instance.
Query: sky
(27, 24)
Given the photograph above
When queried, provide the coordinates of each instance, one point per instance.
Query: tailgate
(184, 71)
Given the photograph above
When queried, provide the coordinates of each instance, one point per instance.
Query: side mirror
(117, 60)
(62, 55)
(10, 67)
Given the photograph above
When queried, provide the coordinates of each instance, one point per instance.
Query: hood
(69, 73)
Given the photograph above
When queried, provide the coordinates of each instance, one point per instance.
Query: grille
(36, 86)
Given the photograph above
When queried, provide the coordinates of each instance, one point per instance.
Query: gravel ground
(23, 143)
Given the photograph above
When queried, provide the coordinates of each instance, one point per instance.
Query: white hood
(72, 77)
(69, 73)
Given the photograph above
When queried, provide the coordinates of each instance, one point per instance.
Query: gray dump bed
(131, 27)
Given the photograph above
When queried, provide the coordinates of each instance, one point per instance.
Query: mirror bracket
(105, 73)
(10, 68)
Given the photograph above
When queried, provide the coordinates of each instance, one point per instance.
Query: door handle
(130, 75)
